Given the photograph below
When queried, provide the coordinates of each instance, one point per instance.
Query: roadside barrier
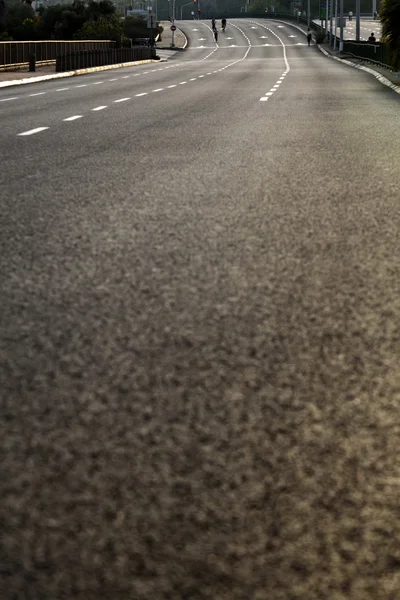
(86, 59)
(18, 53)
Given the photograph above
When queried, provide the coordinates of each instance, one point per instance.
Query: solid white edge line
(32, 131)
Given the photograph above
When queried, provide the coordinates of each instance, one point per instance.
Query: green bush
(389, 15)
(4, 37)
(102, 29)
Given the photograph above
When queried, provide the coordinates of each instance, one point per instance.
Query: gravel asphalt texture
(199, 350)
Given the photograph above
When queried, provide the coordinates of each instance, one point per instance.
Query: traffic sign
(173, 27)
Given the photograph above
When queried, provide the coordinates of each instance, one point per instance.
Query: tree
(2, 15)
(95, 10)
(389, 15)
(102, 29)
(15, 15)
(70, 23)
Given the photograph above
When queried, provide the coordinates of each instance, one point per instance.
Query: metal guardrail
(368, 51)
(86, 59)
(13, 53)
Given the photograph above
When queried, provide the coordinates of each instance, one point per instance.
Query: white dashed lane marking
(62, 89)
(122, 100)
(142, 94)
(98, 82)
(38, 94)
(8, 99)
(99, 108)
(74, 118)
(32, 131)
(83, 85)
(158, 90)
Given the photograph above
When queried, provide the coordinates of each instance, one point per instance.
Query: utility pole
(326, 17)
(335, 38)
(331, 23)
(358, 11)
(173, 24)
(308, 14)
(341, 27)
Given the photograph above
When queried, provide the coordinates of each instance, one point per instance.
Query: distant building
(137, 13)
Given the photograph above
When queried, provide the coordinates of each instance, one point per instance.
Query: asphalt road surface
(200, 308)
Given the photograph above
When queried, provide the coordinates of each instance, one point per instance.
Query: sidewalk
(25, 73)
(23, 76)
(180, 39)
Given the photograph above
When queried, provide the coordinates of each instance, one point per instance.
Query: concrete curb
(15, 82)
(369, 70)
(186, 42)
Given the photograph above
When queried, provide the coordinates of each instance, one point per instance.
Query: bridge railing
(19, 53)
(96, 58)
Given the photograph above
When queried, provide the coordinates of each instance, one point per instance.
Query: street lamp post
(183, 6)
(335, 37)
(341, 27)
(358, 11)
(173, 23)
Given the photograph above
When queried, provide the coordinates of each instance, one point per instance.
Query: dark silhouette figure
(372, 38)
(309, 36)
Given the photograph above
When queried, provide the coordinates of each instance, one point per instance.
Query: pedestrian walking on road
(372, 38)
(309, 36)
